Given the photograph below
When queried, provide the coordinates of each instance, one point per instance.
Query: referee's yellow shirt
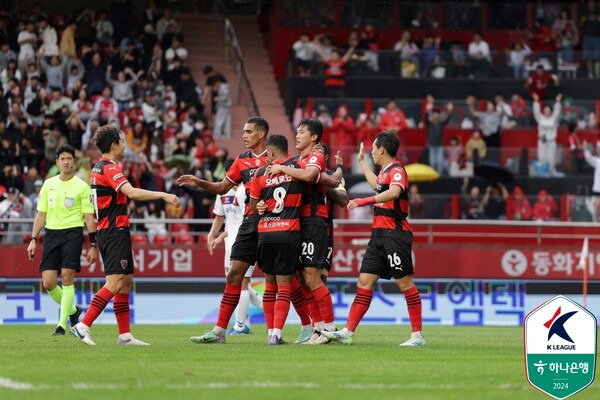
(65, 202)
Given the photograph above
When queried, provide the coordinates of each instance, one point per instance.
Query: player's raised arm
(213, 187)
(147, 195)
(308, 174)
(369, 175)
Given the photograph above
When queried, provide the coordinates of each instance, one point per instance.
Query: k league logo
(560, 347)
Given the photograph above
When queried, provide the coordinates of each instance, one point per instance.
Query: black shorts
(313, 252)
(389, 256)
(279, 258)
(116, 254)
(246, 241)
(329, 251)
(62, 249)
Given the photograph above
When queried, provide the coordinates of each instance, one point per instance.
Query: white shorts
(227, 260)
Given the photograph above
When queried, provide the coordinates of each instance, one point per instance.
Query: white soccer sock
(277, 332)
(269, 332)
(308, 327)
(330, 327)
(242, 310)
(255, 298)
(349, 333)
(320, 326)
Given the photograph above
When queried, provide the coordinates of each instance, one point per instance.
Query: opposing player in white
(229, 208)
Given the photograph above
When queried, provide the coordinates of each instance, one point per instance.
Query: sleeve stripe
(254, 197)
(230, 180)
(121, 184)
(314, 165)
(398, 184)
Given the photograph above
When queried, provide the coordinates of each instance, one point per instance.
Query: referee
(63, 204)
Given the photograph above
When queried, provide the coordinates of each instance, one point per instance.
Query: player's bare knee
(405, 283)
(49, 284)
(68, 277)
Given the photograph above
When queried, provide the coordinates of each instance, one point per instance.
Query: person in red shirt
(389, 253)
(335, 70)
(393, 119)
(110, 191)
(520, 209)
(545, 207)
(344, 133)
(543, 38)
(313, 222)
(279, 234)
(539, 80)
(205, 147)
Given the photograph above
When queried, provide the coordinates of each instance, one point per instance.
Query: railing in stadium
(357, 231)
(245, 93)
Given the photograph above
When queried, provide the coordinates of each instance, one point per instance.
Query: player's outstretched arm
(369, 175)
(391, 194)
(330, 181)
(212, 187)
(309, 174)
(147, 195)
(339, 196)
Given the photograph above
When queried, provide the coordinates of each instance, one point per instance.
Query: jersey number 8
(279, 196)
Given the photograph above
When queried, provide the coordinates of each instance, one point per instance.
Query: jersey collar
(384, 169)
(264, 153)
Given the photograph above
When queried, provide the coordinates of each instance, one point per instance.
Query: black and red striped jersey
(314, 200)
(243, 169)
(110, 203)
(283, 195)
(389, 218)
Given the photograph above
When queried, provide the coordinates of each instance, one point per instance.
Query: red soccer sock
(98, 304)
(413, 302)
(299, 302)
(121, 306)
(323, 299)
(269, 297)
(282, 305)
(229, 302)
(359, 308)
(313, 307)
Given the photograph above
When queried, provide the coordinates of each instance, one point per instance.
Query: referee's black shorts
(116, 253)
(62, 249)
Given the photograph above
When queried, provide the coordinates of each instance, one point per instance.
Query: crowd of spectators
(552, 42)
(62, 76)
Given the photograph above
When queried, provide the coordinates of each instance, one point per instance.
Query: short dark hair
(280, 142)
(65, 148)
(389, 141)
(105, 136)
(207, 69)
(260, 123)
(314, 126)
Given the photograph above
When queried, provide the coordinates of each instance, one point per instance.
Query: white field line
(6, 383)
(10, 384)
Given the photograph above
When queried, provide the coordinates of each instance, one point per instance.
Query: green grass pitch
(457, 363)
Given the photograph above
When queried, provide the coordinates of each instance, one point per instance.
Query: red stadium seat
(180, 228)
(183, 238)
(161, 239)
(139, 239)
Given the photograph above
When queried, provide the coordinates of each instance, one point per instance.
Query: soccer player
(313, 222)
(388, 254)
(63, 205)
(335, 196)
(110, 191)
(243, 252)
(229, 208)
(279, 228)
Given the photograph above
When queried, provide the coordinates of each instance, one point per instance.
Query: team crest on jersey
(124, 264)
(397, 176)
(257, 162)
(313, 159)
(69, 202)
